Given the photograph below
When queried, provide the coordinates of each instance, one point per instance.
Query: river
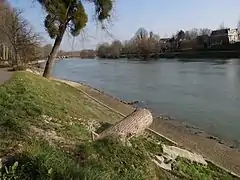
(205, 94)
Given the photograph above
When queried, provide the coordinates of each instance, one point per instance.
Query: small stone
(220, 142)
(128, 143)
(1, 164)
(20, 145)
(49, 118)
(44, 116)
(46, 121)
(160, 162)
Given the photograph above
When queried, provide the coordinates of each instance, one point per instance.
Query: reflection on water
(205, 94)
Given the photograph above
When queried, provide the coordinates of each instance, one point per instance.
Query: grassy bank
(45, 134)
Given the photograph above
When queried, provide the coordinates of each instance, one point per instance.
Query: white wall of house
(233, 35)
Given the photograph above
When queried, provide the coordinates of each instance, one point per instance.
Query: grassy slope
(44, 127)
(28, 97)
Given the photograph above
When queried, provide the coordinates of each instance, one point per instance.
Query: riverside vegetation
(45, 134)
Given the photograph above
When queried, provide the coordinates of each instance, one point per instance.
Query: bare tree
(116, 48)
(194, 33)
(45, 50)
(180, 35)
(141, 33)
(103, 50)
(222, 26)
(205, 31)
(5, 10)
(238, 25)
(187, 35)
(24, 42)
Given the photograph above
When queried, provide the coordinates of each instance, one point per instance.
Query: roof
(164, 39)
(220, 31)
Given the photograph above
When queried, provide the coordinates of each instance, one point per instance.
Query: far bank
(200, 54)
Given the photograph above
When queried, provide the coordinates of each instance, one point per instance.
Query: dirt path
(5, 75)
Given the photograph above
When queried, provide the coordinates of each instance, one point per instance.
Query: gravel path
(5, 75)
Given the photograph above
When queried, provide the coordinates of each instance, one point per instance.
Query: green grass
(41, 161)
(187, 170)
(30, 101)
(108, 159)
(27, 97)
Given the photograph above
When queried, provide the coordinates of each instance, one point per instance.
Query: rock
(133, 102)
(129, 144)
(44, 116)
(159, 161)
(174, 152)
(49, 118)
(220, 142)
(1, 163)
(213, 137)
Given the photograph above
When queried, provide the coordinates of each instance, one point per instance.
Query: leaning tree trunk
(132, 125)
(51, 58)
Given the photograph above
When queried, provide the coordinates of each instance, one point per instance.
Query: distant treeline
(86, 53)
(145, 45)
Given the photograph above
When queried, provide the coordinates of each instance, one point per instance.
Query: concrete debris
(170, 153)
(160, 162)
(174, 152)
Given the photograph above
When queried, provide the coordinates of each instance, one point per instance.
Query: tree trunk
(133, 124)
(51, 58)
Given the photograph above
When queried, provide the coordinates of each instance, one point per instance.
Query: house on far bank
(200, 42)
(233, 35)
(219, 37)
(224, 37)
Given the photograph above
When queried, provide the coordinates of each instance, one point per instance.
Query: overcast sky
(163, 17)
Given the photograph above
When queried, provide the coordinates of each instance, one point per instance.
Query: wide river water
(205, 94)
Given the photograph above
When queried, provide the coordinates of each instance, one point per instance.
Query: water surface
(205, 94)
